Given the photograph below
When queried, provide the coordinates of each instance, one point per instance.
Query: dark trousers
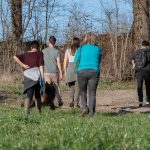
(88, 78)
(141, 76)
(36, 91)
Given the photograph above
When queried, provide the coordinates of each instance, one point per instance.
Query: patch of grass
(65, 130)
(15, 88)
(117, 85)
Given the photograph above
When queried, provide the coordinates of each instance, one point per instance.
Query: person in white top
(70, 74)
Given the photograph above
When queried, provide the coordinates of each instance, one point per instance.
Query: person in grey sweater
(52, 67)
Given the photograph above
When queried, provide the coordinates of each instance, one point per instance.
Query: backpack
(141, 60)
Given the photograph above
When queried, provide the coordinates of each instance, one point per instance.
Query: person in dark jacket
(33, 63)
(141, 64)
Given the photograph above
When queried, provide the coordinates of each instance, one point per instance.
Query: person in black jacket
(141, 64)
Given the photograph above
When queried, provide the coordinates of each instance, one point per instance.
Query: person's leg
(147, 85)
(55, 80)
(29, 98)
(92, 87)
(139, 78)
(71, 92)
(57, 90)
(50, 77)
(37, 97)
(83, 81)
(76, 94)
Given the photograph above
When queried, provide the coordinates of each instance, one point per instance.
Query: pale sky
(92, 8)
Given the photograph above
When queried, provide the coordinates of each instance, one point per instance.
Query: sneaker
(83, 113)
(140, 104)
(71, 104)
(147, 104)
(77, 106)
(60, 104)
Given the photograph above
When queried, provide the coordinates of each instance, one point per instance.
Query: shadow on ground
(130, 109)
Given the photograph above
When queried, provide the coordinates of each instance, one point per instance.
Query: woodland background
(26, 20)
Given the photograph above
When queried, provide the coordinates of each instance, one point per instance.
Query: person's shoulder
(55, 49)
(45, 49)
(68, 50)
(95, 46)
(138, 51)
(40, 52)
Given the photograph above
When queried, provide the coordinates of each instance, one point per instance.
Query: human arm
(132, 60)
(59, 67)
(41, 65)
(65, 63)
(42, 72)
(133, 64)
(77, 56)
(18, 61)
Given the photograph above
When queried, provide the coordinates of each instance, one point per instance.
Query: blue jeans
(88, 78)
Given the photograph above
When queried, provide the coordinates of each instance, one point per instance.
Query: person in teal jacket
(88, 59)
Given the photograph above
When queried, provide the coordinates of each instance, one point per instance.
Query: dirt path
(115, 101)
(107, 101)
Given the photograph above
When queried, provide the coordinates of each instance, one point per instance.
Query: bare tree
(118, 32)
(79, 22)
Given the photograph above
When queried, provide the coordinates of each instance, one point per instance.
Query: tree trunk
(141, 24)
(16, 16)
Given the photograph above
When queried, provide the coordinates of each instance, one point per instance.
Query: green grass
(17, 87)
(117, 85)
(66, 130)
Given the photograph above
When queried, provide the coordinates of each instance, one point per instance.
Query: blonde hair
(90, 38)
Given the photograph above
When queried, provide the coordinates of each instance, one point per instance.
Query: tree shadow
(128, 109)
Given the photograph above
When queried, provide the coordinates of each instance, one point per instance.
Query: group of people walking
(81, 72)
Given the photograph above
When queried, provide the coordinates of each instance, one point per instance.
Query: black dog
(49, 95)
(47, 99)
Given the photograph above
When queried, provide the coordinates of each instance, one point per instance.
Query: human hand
(41, 81)
(65, 73)
(25, 66)
(60, 76)
(133, 66)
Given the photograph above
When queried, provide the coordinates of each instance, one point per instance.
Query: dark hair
(145, 43)
(35, 44)
(75, 45)
(52, 40)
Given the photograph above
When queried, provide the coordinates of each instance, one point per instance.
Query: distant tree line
(119, 37)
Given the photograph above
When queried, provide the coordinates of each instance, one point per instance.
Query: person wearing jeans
(142, 76)
(88, 78)
(142, 71)
(88, 59)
